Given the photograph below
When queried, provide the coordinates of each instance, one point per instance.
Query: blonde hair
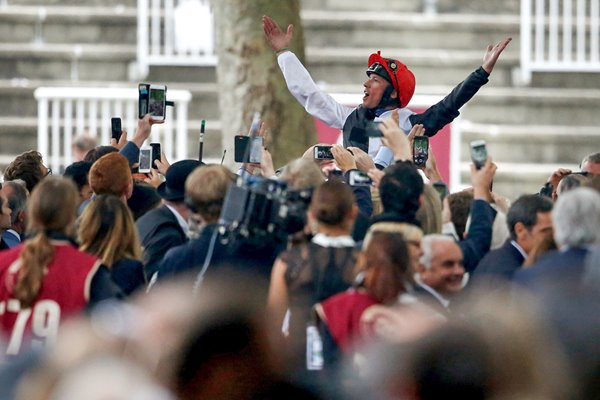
(206, 189)
(107, 230)
(409, 232)
(52, 208)
(430, 212)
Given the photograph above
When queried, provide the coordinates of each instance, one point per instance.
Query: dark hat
(173, 188)
(396, 73)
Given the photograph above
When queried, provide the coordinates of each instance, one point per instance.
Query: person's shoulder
(152, 215)
(128, 263)
(71, 251)
(506, 257)
(159, 219)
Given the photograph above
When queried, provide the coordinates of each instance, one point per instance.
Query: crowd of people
(196, 281)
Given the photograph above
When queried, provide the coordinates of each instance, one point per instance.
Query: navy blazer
(554, 268)
(159, 231)
(498, 266)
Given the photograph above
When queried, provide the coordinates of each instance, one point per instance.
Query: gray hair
(427, 247)
(576, 218)
(593, 158)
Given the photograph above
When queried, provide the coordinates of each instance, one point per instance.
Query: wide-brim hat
(396, 73)
(173, 188)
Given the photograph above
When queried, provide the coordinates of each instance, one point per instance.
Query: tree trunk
(249, 78)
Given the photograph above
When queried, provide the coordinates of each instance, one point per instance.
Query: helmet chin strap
(387, 99)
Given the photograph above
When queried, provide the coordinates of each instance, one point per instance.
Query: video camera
(262, 212)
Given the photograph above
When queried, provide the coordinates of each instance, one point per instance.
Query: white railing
(174, 32)
(559, 35)
(64, 112)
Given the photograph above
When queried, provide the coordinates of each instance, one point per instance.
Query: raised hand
(122, 140)
(364, 162)
(492, 53)
(343, 158)
(276, 38)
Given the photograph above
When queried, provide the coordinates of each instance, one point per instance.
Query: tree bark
(249, 78)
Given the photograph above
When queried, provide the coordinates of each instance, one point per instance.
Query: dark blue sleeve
(131, 152)
(362, 196)
(444, 112)
(170, 263)
(479, 237)
(102, 287)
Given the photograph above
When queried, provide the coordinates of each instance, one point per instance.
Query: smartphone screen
(115, 126)
(420, 150)
(323, 153)
(256, 145)
(479, 153)
(155, 153)
(248, 149)
(144, 161)
(156, 102)
(143, 89)
(359, 178)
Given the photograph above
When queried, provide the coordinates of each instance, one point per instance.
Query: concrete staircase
(530, 130)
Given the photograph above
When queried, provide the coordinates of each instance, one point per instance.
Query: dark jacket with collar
(557, 268)
(159, 231)
(498, 266)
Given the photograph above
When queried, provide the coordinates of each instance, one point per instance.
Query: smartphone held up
(152, 99)
(479, 153)
(116, 128)
(420, 150)
(322, 153)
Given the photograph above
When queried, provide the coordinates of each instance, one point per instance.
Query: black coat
(498, 266)
(159, 231)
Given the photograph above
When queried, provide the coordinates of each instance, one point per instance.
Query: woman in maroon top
(47, 279)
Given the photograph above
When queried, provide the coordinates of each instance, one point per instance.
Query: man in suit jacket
(166, 227)
(16, 193)
(576, 217)
(528, 220)
(440, 272)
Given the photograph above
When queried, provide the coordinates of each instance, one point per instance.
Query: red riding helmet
(396, 73)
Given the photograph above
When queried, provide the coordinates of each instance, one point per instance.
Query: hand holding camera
(266, 164)
(118, 135)
(376, 176)
(343, 158)
(397, 141)
(482, 180)
(364, 162)
(432, 171)
(144, 128)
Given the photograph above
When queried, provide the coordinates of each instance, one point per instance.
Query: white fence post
(175, 33)
(542, 24)
(142, 38)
